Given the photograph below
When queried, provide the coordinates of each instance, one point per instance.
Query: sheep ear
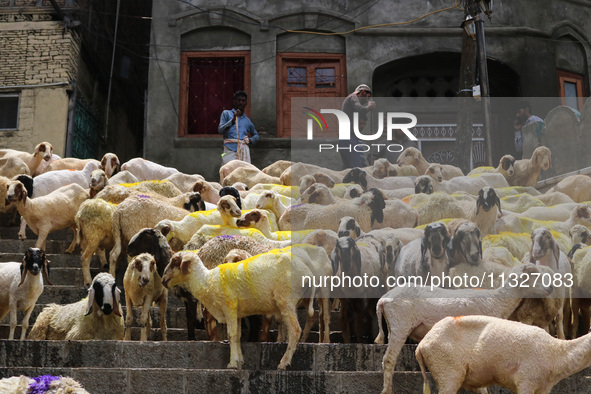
(90, 301)
(23, 272)
(357, 259)
(498, 202)
(556, 251)
(46, 271)
(116, 309)
(335, 258)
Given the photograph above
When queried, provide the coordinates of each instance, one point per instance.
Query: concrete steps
(180, 366)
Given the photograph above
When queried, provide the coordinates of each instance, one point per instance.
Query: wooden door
(306, 75)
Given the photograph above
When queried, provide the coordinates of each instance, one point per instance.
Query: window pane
(325, 77)
(296, 77)
(570, 92)
(8, 112)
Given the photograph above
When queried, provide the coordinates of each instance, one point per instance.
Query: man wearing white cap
(359, 102)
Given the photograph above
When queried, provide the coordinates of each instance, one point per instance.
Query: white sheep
(412, 156)
(425, 256)
(383, 168)
(48, 182)
(49, 213)
(13, 166)
(20, 287)
(277, 168)
(366, 210)
(43, 151)
(576, 187)
(528, 170)
(581, 214)
(410, 311)
(96, 317)
(143, 286)
(545, 251)
(146, 170)
(478, 351)
(259, 285)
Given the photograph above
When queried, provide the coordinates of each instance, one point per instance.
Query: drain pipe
(106, 131)
(71, 113)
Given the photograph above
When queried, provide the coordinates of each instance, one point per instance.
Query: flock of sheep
(242, 246)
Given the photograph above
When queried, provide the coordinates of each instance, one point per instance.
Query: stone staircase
(180, 366)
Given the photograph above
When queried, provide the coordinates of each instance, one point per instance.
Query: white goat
(20, 287)
(477, 351)
(96, 317)
(143, 286)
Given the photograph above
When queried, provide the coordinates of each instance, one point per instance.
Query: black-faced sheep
(96, 317)
(20, 287)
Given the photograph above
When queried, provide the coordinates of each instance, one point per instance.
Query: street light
(469, 26)
(486, 7)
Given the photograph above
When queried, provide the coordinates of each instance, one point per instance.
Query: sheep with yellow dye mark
(284, 190)
(520, 203)
(182, 230)
(518, 244)
(259, 285)
(117, 193)
(519, 224)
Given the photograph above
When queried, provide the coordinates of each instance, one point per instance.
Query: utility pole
(473, 56)
(463, 147)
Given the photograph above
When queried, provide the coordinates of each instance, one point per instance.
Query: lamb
(478, 351)
(132, 215)
(96, 317)
(575, 186)
(249, 176)
(277, 168)
(152, 241)
(383, 168)
(242, 293)
(430, 304)
(545, 251)
(425, 256)
(506, 167)
(514, 223)
(360, 177)
(528, 170)
(19, 291)
(365, 209)
(184, 229)
(43, 151)
(146, 170)
(412, 156)
(49, 213)
(143, 286)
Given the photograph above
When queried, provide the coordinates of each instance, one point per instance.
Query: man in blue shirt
(237, 147)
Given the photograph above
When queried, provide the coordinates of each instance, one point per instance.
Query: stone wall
(38, 53)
